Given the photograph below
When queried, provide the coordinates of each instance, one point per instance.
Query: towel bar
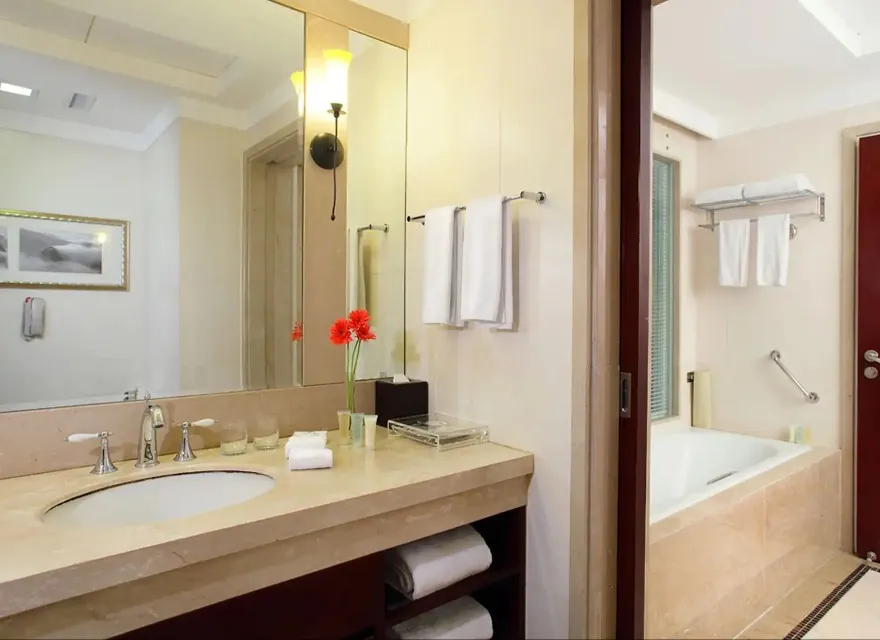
(535, 196)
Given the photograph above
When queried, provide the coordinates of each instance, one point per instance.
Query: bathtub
(689, 465)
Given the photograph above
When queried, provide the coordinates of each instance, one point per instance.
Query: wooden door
(867, 459)
(635, 286)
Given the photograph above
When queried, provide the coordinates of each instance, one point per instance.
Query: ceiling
(145, 63)
(726, 66)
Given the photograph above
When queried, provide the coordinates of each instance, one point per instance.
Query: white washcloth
(781, 186)
(721, 194)
(733, 252)
(773, 247)
(462, 619)
(305, 440)
(300, 459)
(418, 568)
(438, 265)
(487, 264)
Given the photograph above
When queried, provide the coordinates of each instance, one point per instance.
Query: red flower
(296, 335)
(364, 333)
(340, 331)
(359, 318)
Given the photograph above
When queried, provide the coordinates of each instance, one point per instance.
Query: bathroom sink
(160, 498)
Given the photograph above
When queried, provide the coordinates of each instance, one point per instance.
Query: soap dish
(439, 431)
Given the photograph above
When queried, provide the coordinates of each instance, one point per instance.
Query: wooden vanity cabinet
(351, 600)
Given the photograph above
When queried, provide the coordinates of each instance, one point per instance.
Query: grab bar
(810, 396)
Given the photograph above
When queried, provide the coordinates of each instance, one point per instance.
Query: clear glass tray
(439, 431)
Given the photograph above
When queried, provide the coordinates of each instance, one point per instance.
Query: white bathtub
(688, 465)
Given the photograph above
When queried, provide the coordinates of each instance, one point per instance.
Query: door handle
(872, 356)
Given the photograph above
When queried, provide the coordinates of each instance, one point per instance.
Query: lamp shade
(298, 80)
(336, 63)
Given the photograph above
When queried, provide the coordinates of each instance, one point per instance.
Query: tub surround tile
(33, 441)
(46, 564)
(716, 566)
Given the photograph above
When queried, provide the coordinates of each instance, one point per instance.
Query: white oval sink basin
(160, 498)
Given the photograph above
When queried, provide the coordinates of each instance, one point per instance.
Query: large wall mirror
(164, 227)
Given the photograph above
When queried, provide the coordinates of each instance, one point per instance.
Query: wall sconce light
(298, 80)
(326, 149)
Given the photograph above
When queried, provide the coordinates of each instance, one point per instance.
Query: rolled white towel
(462, 619)
(301, 459)
(418, 568)
(306, 440)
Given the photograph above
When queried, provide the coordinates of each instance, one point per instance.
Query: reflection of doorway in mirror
(273, 230)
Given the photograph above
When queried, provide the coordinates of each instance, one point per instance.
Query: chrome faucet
(152, 419)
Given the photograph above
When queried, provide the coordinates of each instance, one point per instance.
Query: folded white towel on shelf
(773, 249)
(418, 568)
(302, 459)
(721, 194)
(438, 262)
(462, 619)
(733, 252)
(487, 264)
(781, 186)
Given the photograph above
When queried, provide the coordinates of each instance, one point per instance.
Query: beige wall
(210, 257)
(490, 110)
(681, 146)
(737, 328)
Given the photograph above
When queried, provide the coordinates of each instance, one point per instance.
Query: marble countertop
(45, 563)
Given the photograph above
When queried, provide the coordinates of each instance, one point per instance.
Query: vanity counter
(105, 580)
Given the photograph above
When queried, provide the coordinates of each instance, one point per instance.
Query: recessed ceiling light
(14, 88)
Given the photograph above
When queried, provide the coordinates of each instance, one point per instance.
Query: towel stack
(468, 268)
(462, 619)
(308, 450)
(428, 565)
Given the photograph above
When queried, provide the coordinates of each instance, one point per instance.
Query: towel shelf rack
(535, 196)
(711, 208)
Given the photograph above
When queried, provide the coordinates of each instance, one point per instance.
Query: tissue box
(400, 400)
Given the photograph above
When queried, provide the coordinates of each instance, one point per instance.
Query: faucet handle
(104, 464)
(186, 453)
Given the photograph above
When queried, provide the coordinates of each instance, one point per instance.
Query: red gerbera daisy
(340, 331)
(359, 318)
(364, 333)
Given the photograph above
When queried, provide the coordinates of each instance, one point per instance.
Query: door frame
(635, 301)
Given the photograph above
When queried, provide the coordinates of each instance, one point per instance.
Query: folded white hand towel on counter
(302, 459)
(462, 619)
(306, 440)
(418, 568)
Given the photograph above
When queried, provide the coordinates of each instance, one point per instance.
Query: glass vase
(357, 429)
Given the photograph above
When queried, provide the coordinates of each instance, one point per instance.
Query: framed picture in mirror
(53, 251)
